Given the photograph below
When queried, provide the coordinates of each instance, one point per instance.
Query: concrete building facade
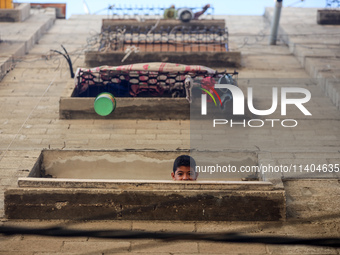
(33, 80)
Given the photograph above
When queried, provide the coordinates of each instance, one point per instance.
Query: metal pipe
(275, 22)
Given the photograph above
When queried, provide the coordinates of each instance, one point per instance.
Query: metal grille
(146, 83)
(168, 39)
(142, 12)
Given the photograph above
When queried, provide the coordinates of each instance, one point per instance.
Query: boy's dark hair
(184, 160)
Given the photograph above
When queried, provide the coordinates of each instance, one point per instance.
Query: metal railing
(178, 38)
(143, 12)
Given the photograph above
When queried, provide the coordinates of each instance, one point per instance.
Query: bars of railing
(165, 38)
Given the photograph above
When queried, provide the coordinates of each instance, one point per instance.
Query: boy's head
(184, 169)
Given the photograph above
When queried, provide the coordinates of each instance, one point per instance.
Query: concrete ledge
(127, 108)
(211, 59)
(151, 108)
(6, 64)
(20, 13)
(184, 205)
(143, 185)
(8, 51)
(118, 198)
(40, 31)
(328, 17)
(18, 41)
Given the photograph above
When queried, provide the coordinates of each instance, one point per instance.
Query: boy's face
(184, 173)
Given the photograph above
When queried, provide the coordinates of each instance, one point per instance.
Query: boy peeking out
(184, 169)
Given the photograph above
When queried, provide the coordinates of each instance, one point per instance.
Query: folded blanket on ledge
(156, 77)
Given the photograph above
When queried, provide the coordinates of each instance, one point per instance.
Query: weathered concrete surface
(154, 165)
(39, 245)
(305, 198)
(18, 38)
(211, 59)
(31, 182)
(127, 108)
(19, 13)
(103, 204)
(128, 164)
(137, 108)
